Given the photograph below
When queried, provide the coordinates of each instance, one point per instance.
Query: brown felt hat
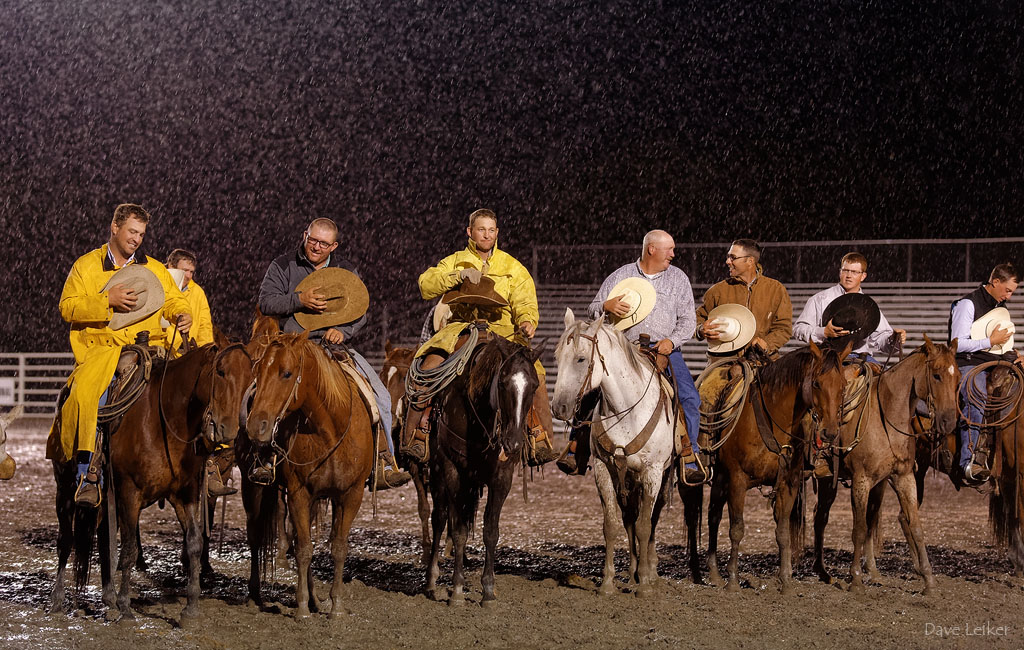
(480, 294)
(148, 290)
(346, 296)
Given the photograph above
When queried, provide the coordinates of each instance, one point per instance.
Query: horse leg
(438, 519)
(826, 496)
(716, 504)
(859, 502)
(344, 510)
(187, 513)
(693, 502)
(65, 532)
(460, 516)
(906, 490)
(109, 596)
(497, 492)
(873, 546)
(737, 496)
(785, 497)
(299, 513)
(606, 491)
(128, 508)
(253, 499)
(422, 507)
(643, 530)
(652, 551)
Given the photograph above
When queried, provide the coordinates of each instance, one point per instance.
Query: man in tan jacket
(766, 298)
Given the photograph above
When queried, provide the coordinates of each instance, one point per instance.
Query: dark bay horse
(157, 452)
(479, 439)
(768, 447)
(393, 373)
(311, 413)
(880, 445)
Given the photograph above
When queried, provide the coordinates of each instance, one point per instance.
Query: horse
(879, 444)
(393, 373)
(155, 454)
(479, 438)
(7, 464)
(769, 447)
(309, 411)
(632, 436)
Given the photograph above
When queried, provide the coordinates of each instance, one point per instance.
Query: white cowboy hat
(639, 295)
(179, 278)
(736, 326)
(998, 317)
(442, 314)
(148, 291)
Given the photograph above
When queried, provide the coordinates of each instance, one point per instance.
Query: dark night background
(236, 124)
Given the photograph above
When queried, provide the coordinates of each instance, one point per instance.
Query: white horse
(631, 436)
(7, 464)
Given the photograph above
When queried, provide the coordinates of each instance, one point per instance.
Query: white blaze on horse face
(952, 371)
(519, 382)
(391, 373)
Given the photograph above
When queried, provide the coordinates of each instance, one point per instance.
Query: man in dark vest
(975, 348)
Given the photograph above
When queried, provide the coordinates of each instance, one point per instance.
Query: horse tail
(84, 527)
(1005, 508)
(266, 525)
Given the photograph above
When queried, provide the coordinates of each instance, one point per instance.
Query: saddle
(348, 366)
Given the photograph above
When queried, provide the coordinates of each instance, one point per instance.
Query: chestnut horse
(878, 444)
(307, 410)
(157, 452)
(479, 438)
(769, 446)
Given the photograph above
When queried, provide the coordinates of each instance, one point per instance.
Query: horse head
(393, 372)
(822, 389)
(580, 364)
(511, 391)
(230, 378)
(278, 375)
(938, 383)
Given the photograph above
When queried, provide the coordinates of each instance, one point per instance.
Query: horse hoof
(112, 614)
(732, 586)
(489, 603)
(188, 619)
(123, 615)
(302, 611)
(787, 589)
(644, 591)
(457, 601)
(607, 589)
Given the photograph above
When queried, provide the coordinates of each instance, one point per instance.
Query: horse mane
(335, 386)
(636, 359)
(790, 369)
(482, 368)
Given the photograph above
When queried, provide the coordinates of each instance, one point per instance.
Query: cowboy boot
(540, 447)
(823, 464)
(263, 472)
(214, 482)
(386, 474)
(575, 459)
(88, 493)
(416, 436)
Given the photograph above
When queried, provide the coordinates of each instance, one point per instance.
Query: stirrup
(567, 462)
(539, 453)
(264, 473)
(88, 493)
(215, 482)
(418, 448)
(387, 475)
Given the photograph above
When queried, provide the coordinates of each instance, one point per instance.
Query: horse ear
(387, 346)
(847, 349)
(570, 318)
(303, 336)
(929, 347)
(595, 326)
(953, 344)
(815, 350)
(535, 352)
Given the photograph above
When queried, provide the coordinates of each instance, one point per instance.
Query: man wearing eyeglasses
(853, 269)
(279, 298)
(765, 297)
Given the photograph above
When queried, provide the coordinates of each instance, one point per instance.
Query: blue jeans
(380, 394)
(689, 398)
(969, 433)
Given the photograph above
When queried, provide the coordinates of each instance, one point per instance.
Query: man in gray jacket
(279, 298)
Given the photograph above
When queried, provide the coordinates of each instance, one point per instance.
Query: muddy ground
(550, 557)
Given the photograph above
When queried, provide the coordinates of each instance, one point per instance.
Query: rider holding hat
(481, 282)
(111, 295)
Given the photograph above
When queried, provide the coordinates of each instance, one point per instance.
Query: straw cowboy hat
(854, 312)
(639, 295)
(481, 294)
(346, 296)
(736, 325)
(983, 327)
(148, 291)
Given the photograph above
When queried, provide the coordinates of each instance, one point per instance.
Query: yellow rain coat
(202, 323)
(85, 305)
(511, 281)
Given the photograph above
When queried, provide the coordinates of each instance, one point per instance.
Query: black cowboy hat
(854, 312)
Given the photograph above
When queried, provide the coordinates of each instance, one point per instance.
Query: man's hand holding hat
(122, 298)
(471, 274)
(313, 300)
(617, 306)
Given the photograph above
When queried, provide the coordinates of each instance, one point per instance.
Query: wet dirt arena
(549, 559)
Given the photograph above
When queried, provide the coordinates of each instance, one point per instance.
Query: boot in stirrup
(387, 475)
(214, 482)
(88, 493)
(540, 448)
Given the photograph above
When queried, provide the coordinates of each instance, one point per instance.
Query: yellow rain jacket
(511, 281)
(85, 305)
(202, 323)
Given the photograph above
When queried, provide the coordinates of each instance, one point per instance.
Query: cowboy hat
(481, 294)
(983, 327)
(441, 315)
(179, 278)
(149, 293)
(854, 312)
(736, 326)
(639, 295)
(346, 296)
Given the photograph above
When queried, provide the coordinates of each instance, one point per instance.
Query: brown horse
(307, 410)
(393, 374)
(157, 452)
(879, 444)
(769, 446)
(7, 464)
(479, 439)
